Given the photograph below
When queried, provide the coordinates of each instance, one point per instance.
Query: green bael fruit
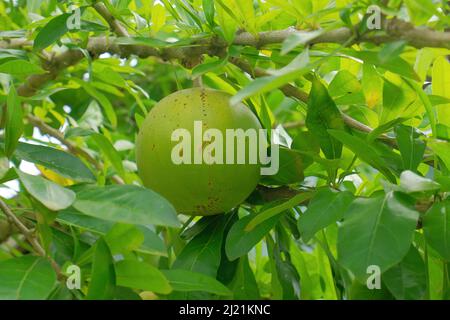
(196, 189)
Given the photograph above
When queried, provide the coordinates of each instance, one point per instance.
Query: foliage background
(364, 178)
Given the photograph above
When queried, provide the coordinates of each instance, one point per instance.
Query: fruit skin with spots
(195, 189)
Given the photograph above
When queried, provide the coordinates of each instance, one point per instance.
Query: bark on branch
(394, 30)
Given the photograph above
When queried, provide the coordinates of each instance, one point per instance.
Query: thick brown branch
(394, 30)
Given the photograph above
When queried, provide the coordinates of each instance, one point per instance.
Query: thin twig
(115, 25)
(13, 219)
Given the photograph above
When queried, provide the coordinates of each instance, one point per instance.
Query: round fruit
(194, 188)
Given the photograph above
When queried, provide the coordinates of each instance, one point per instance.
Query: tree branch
(394, 30)
(115, 25)
(28, 235)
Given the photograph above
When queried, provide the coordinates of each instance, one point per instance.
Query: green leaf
(322, 116)
(442, 150)
(14, 121)
(299, 38)
(143, 41)
(411, 147)
(372, 85)
(50, 194)
(391, 50)
(59, 161)
(9, 175)
(407, 280)
(139, 275)
(51, 32)
(396, 65)
(102, 99)
(440, 85)
(291, 167)
(364, 151)
(436, 226)
(411, 182)
(152, 243)
(208, 9)
(277, 209)
(202, 254)
(396, 99)
(127, 204)
(158, 18)
(294, 70)
(111, 153)
(184, 280)
(26, 278)
(344, 83)
(327, 206)
(385, 127)
(426, 102)
(376, 231)
(359, 291)
(239, 241)
(420, 10)
(123, 238)
(442, 132)
(92, 26)
(20, 68)
(287, 274)
(103, 276)
(208, 67)
(425, 57)
(228, 25)
(103, 143)
(244, 285)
